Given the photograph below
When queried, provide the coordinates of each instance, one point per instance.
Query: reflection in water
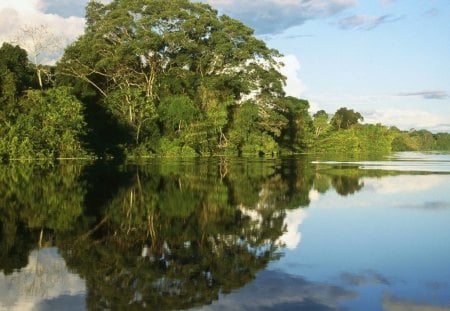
(35, 200)
(176, 236)
(402, 162)
(45, 280)
(404, 184)
(166, 235)
(292, 237)
(395, 304)
(275, 290)
(370, 277)
(346, 185)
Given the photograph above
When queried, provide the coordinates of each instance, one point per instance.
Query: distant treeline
(420, 140)
(171, 78)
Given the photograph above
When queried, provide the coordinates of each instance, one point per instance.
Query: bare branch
(40, 43)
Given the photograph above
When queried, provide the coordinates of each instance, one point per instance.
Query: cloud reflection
(431, 205)
(363, 278)
(45, 284)
(276, 290)
(396, 304)
(292, 237)
(404, 183)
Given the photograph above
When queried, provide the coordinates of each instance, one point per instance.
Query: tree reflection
(34, 199)
(343, 179)
(346, 185)
(177, 235)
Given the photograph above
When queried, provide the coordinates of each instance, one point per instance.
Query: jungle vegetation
(171, 78)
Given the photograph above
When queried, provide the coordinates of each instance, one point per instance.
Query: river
(227, 234)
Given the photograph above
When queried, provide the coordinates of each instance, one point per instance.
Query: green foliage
(14, 62)
(296, 136)
(442, 141)
(177, 64)
(404, 142)
(50, 125)
(175, 147)
(172, 78)
(344, 118)
(176, 113)
(358, 140)
(420, 140)
(16, 76)
(425, 139)
(321, 126)
(253, 130)
(134, 111)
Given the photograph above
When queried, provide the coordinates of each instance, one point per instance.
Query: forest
(172, 78)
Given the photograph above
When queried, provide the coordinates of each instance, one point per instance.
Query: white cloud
(274, 16)
(432, 94)
(30, 5)
(409, 112)
(396, 304)
(14, 15)
(365, 22)
(291, 70)
(408, 119)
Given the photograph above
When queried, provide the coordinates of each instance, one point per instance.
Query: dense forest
(171, 78)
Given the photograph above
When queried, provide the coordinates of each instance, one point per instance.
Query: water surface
(227, 234)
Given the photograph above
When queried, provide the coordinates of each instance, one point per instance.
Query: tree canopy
(344, 118)
(154, 62)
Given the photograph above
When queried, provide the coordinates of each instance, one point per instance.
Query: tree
(344, 118)
(320, 123)
(442, 141)
(136, 53)
(40, 43)
(15, 77)
(426, 139)
(252, 132)
(296, 135)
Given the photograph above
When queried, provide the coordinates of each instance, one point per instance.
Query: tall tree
(344, 118)
(297, 132)
(136, 53)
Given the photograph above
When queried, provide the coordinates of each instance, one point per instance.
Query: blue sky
(388, 59)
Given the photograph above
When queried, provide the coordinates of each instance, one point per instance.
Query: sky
(387, 59)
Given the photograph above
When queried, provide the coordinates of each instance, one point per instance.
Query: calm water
(227, 234)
